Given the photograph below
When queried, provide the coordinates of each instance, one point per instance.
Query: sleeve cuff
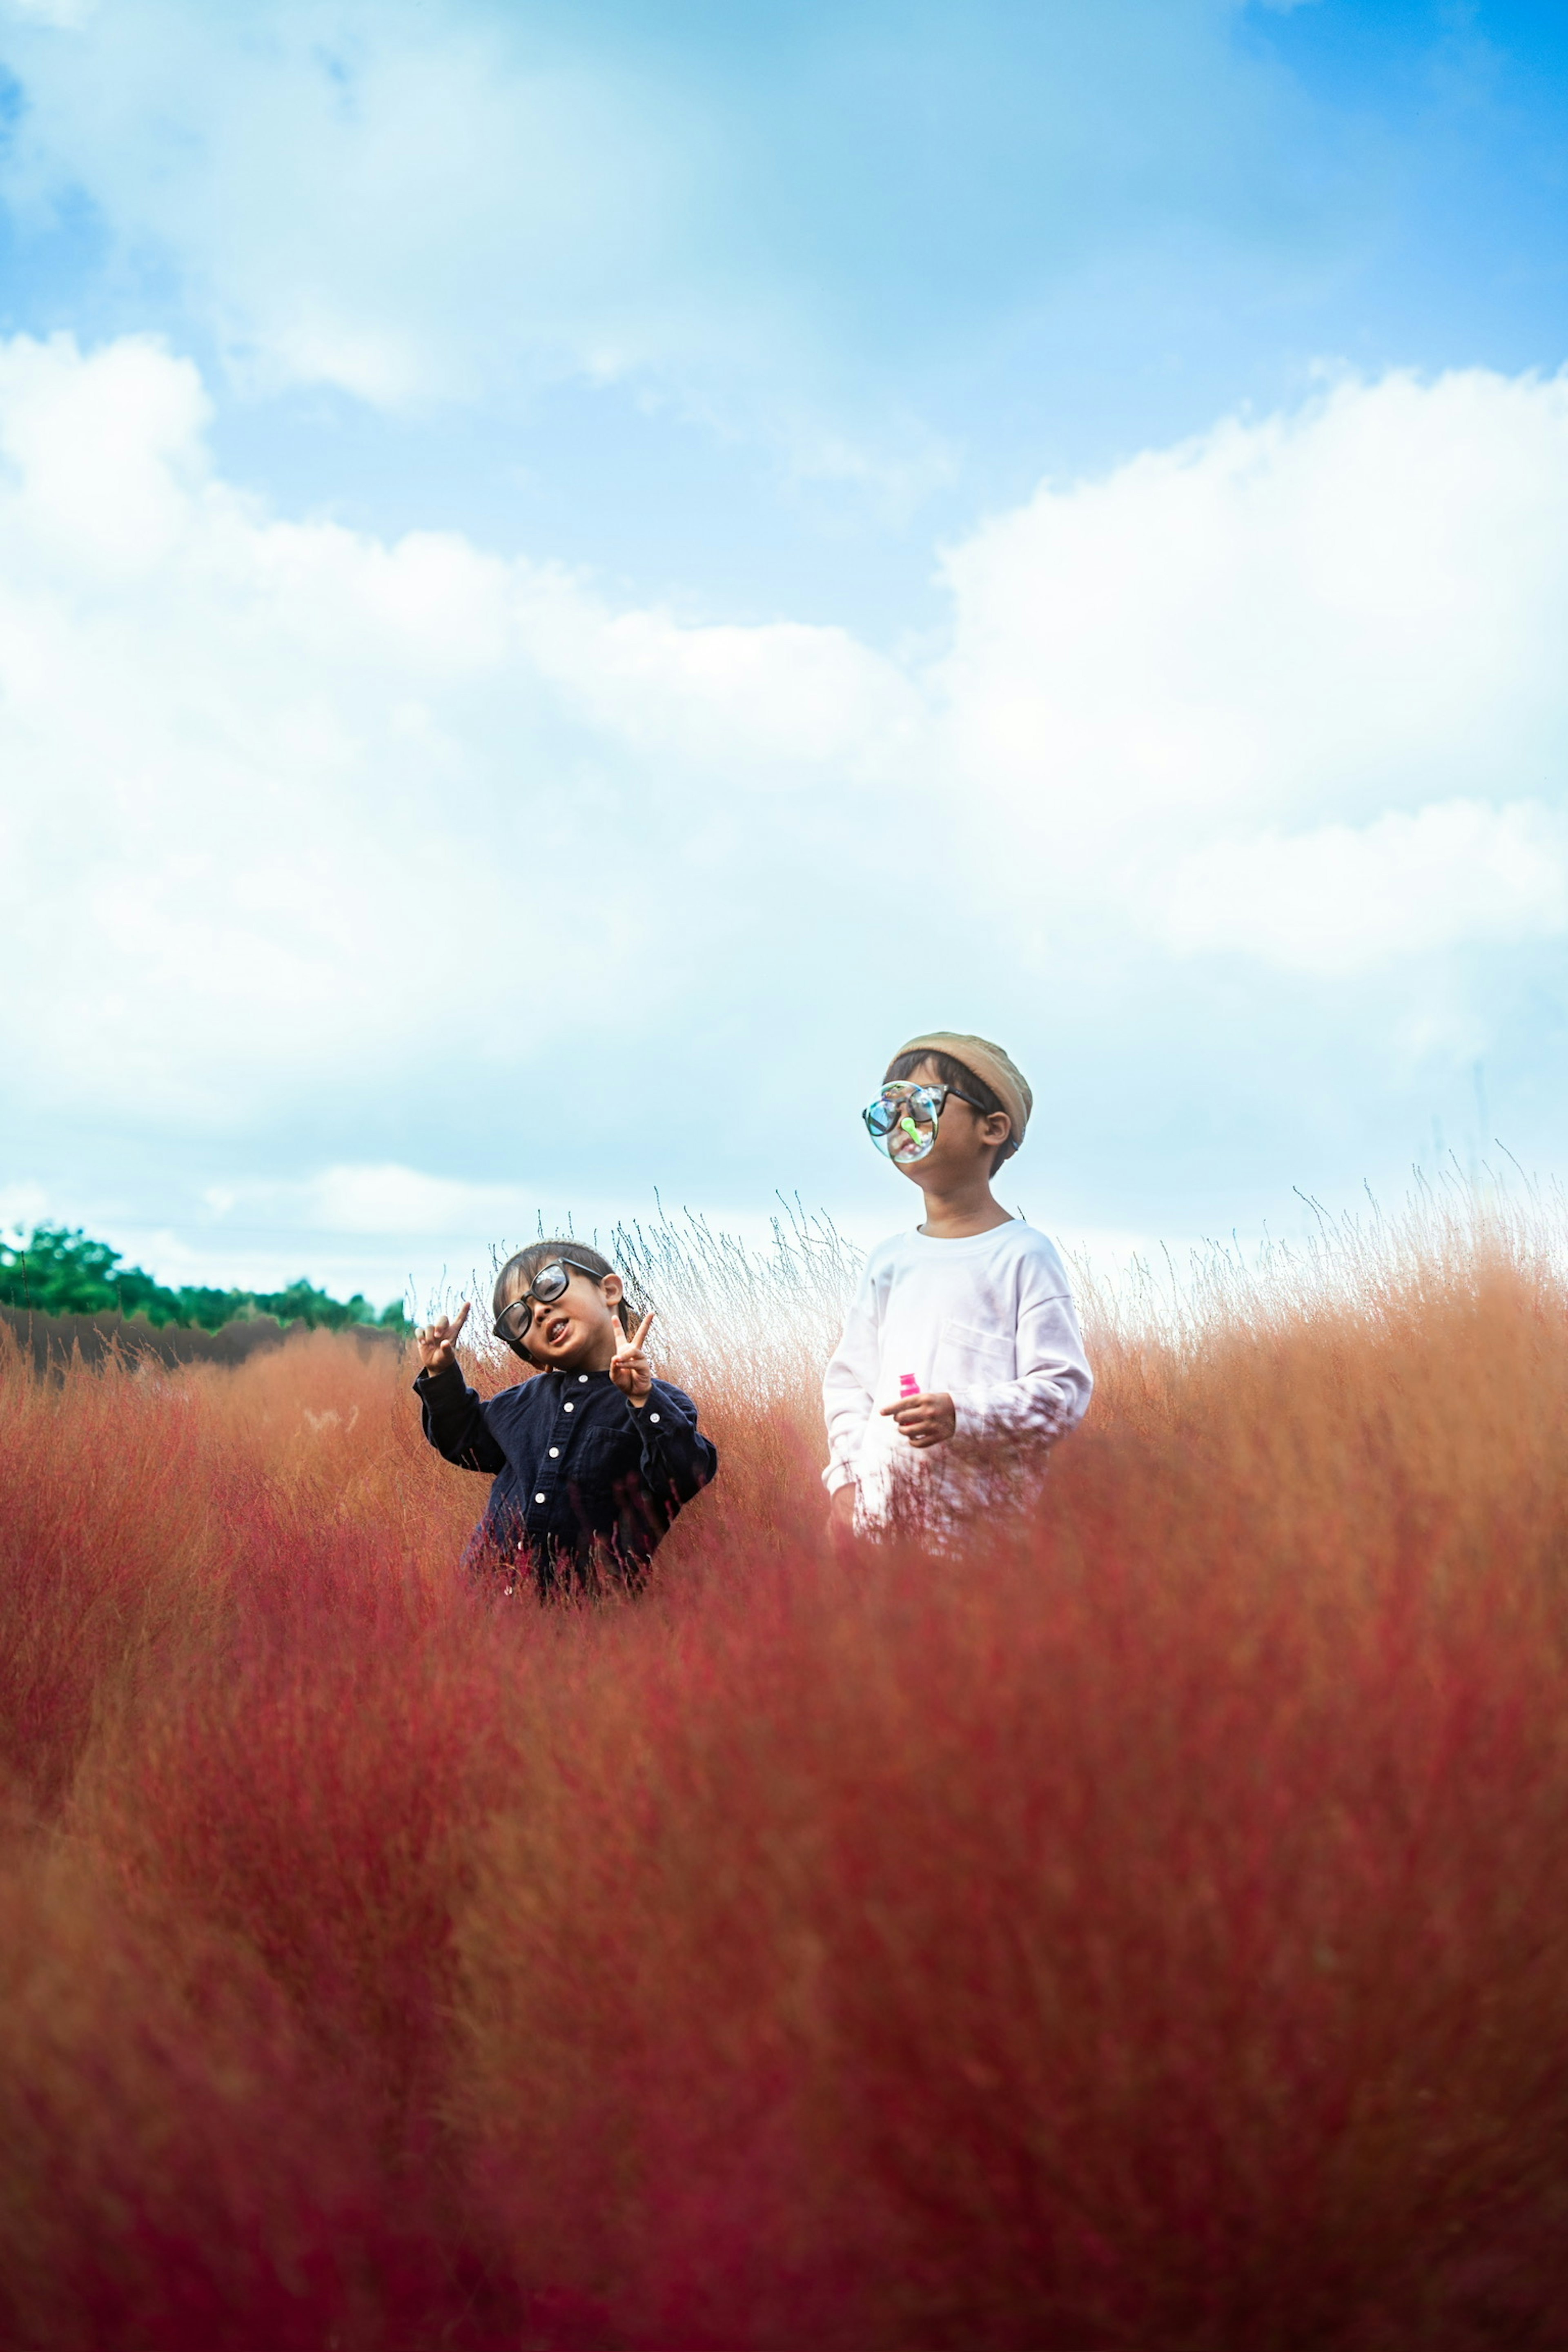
(653, 1419)
(971, 1417)
(836, 1475)
(966, 1421)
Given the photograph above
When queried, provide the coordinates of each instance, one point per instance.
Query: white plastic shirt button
(567, 1408)
(584, 1378)
(653, 1416)
(554, 1453)
(539, 1498)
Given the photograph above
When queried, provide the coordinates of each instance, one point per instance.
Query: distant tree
(303, 1303)
(60, 1270)
(57, 1271)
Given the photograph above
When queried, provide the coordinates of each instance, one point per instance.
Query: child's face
(578, 1331)
(966, 1141)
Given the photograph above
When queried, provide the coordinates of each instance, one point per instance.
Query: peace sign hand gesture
(438, 1342)
(629, 1367)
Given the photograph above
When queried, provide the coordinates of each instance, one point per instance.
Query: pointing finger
(639, 1337)
(453, 1328)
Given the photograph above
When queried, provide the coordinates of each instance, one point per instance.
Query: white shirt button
(568, 1408)
(554, 1453)
(539, 1498)
(584, 1378)
(653, 1416)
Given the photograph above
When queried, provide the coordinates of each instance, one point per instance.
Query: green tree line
(62, 1271)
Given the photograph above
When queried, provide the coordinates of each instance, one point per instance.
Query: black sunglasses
(545, 1289)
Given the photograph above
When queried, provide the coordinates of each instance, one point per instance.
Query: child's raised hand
(437, 1343)
(929, 1418)
(629, 1367)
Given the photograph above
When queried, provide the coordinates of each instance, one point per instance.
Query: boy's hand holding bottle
(927, 1417)
(629, 1367)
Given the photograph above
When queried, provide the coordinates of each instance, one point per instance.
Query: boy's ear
(996, 1127)
(614, 1288)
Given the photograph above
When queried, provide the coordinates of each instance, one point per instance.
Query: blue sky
(567, 576)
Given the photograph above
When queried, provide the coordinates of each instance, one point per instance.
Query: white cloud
(1342, 899)
(802, 232)
(775, 698)
(102, 460)
(384, 200)
(1340, 616)
(390, 1199)
(305, 804)
(306, 829)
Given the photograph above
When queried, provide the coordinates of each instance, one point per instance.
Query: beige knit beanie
(987, 1061)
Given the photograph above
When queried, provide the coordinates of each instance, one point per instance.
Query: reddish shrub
(1132, 1923)
(178, 2171)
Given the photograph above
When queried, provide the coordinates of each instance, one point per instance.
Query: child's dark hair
(957, 1075)
(524, 1263)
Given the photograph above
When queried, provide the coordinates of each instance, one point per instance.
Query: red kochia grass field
(1144, 1926)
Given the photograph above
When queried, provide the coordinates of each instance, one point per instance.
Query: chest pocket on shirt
(968, 1358)
(593, 1451)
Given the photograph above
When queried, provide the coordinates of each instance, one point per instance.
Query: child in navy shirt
(592, 1458)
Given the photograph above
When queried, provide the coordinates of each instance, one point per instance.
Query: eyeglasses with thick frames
(547, 1285)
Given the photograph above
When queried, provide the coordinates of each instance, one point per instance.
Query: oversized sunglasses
(547, 1285)
(902, 1120)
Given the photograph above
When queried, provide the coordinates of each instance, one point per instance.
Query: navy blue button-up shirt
(580, 1475)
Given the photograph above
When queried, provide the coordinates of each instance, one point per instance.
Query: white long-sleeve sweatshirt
(988, 1319)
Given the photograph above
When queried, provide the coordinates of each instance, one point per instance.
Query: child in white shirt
(965, 1328)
